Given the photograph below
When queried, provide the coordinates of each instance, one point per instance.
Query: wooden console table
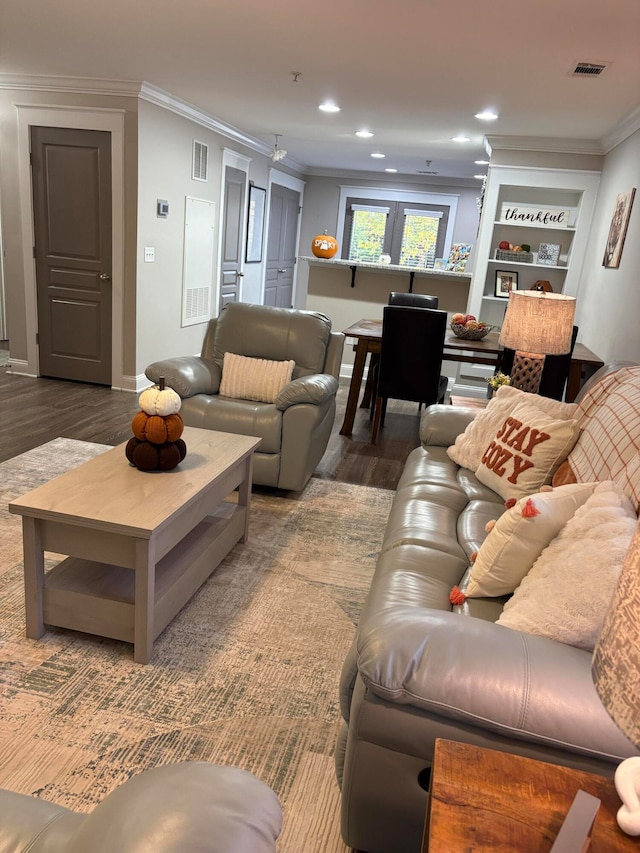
(487, 801)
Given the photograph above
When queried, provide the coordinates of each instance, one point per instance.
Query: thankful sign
(511, 451)
(528, 214)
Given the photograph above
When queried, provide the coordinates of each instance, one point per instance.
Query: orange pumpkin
(157, 429)
(324, 246)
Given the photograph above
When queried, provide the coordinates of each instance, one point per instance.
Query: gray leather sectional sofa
(418, 671)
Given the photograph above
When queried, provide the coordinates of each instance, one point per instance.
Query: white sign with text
(532, 214)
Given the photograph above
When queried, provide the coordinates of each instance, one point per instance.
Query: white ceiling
(412, 71)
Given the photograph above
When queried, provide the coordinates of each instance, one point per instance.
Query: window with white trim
(412, 234)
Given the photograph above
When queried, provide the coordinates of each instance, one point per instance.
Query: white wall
(608, 300)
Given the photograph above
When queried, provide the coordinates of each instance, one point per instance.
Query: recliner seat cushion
(241, 417)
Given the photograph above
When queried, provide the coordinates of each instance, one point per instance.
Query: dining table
(367, 335)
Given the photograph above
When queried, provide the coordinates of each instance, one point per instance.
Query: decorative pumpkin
(153, 457)
(160, 400)
(542, 285)
(157, 429)
(324, 246)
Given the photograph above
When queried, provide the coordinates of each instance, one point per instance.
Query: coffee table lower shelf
(99, 598)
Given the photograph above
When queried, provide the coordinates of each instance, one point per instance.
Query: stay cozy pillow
(254, 378)
(470, 445)
(519, 537)
(566, 594)
(525, 451)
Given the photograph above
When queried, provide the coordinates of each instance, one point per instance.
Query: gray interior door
(72, 225)
(232, 232)
(284, 210)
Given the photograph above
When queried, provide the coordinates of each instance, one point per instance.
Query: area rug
(246, 674)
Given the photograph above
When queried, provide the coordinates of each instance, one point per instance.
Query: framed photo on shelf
(549, 253)
(255, 224)
(506, 281)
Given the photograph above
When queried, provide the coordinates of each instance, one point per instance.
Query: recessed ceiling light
(329, 107)
(487, 115)
(480, 177)
(460, 138)
(391, 170)
(481, 162)
(378, 155)
(364, 134)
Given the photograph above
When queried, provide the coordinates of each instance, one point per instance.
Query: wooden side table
(485, 800)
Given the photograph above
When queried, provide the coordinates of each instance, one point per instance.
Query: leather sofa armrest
(181, 807)
(488, 676)
(188, 374)
(442, 423)
(307, 389)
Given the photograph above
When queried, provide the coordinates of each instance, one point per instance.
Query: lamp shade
(616, 660)
(538, 322)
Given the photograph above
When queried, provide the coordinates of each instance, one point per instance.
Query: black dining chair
(555, 371)
(410, 359)
(413, 300)
(396, 297)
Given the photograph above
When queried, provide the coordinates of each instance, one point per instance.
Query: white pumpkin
(159, 400)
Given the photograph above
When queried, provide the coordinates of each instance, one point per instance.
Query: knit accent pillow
(470, 445)
(254, 378)
(525, 452)
(566, 594)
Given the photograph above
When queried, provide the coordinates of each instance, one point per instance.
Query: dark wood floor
(35, 411)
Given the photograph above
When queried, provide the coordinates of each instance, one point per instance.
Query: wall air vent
(200, 161)
(587, 69)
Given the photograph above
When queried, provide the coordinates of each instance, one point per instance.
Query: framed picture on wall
(255, 224)
(506, 281)
(618, 229)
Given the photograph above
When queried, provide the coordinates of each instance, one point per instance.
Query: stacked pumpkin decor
(156, 444)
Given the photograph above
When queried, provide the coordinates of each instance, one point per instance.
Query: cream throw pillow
(525, 451)
(566, 594)
(254, 378)
(471, 444)
(519, 537)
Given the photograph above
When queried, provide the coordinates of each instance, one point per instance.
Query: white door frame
(240, 162)
(295, 184)
(78, 118)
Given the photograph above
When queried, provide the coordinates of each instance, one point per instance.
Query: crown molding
(144, 91)
(622, 130)
(72, 85)
(550, 144)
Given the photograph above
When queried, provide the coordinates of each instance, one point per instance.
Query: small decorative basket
(518, 257)
(461, 331)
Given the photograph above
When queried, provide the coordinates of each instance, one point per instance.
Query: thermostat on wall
(163, 207)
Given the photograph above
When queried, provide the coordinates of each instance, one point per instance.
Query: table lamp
(616, 675)
(536, 324)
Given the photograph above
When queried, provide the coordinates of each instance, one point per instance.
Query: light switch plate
(149, 254)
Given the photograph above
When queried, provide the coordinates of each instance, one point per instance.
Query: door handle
(281, 270)
(105, 276)
(240, 274)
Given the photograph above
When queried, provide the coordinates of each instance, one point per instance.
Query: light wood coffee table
(139, 544)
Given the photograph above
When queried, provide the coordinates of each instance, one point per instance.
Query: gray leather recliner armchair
(192, 806)
(295, 429)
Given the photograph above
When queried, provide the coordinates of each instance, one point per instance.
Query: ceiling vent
(587, 69)
(424, 172)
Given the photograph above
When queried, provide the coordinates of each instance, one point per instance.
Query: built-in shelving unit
(512, 194)
(517, 191)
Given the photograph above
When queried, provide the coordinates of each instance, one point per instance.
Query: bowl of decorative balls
(468, 327)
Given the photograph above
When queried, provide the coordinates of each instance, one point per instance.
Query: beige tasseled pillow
(254, 378)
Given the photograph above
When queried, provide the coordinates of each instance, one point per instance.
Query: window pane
(419, 239)
(367, 235)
